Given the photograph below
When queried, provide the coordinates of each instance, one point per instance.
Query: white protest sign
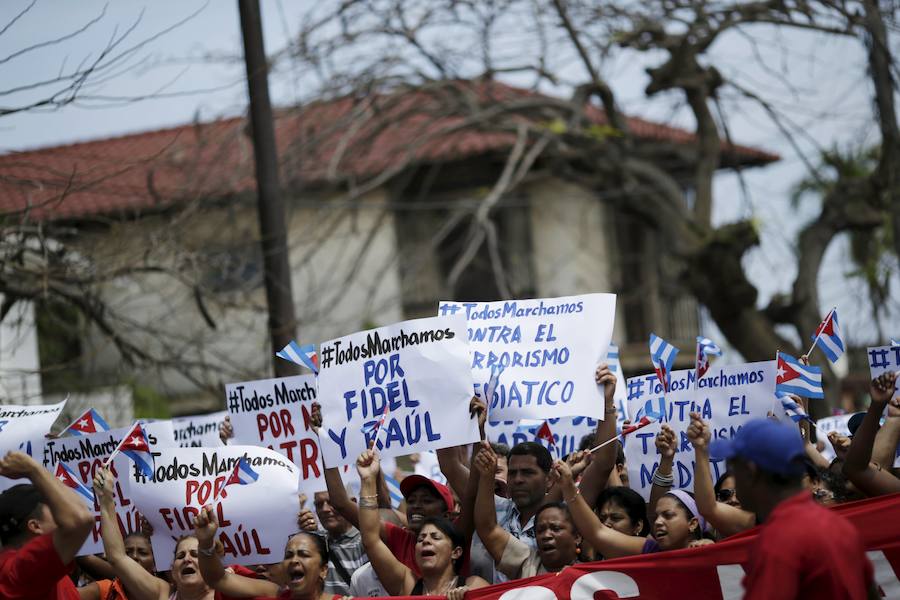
(255, 519)
(567, 433)
(883, 359)
(198, 431)
(419, 369)
(549, 349)
(726, 398)
(83, 455)
(827, 425)
(22, 428)
(275, 413)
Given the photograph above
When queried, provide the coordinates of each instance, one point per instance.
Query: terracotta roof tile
(322, 143)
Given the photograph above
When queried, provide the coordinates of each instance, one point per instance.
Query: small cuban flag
(894, 343)
(88, 423)
(705, 348)
(136, 446)
(647, 419)
(68, 478)
(243, 474)
(489, 390)
(305, 356)
(828, 337)
(793, 377)
(529, 426)
(393, 487)
(662, 355)
(544, 433)
(372, 428)
(794, 410)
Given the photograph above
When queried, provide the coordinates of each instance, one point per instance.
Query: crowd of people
(505, 514)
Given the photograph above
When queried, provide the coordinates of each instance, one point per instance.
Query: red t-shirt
(402, 543)
(805, 550)
(35, 572)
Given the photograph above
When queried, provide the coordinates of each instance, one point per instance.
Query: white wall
(20, 381)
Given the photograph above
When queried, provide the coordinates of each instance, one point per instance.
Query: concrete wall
(20, 381)
(343, 280)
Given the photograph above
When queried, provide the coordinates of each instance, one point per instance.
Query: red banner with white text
(710, 572)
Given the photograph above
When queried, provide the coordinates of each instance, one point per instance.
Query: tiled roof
(324, 143)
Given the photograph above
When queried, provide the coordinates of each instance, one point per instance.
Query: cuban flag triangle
(828, 337)
(68, 478)
(662, 355)
(544, 433)
(794, 410)
(793, 377)
(705, 348)
(136, 446)
(89, 422)
(243, 474)
(305, 356)
(645, 420)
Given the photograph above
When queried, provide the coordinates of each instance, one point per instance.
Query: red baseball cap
(411, 482)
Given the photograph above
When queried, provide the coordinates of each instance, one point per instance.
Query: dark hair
(499, 449)
(321, 543)
(18, 505)
(560, 505)
(540, 453)
(587, 442)
(630, 501)
(721, 480)
(447, 527)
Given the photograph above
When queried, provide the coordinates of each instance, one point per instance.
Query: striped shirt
(348, 549)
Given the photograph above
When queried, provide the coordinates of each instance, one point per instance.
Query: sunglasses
(725, 495)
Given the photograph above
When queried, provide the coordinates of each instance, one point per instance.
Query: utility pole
(270, 208)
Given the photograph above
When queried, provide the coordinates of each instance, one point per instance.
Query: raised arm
(596, 475)
(451, 460)
(396, 577)
(609, 542)
(873, 481)
(466, 521)
(885, 448)
(138, 582)
(666, 444)
(73, 519)
(728, 520)
(491, 534)
(211, 569)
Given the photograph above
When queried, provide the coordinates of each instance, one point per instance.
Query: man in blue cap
(803, 550)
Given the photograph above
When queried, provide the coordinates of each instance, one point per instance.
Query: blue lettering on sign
(530, 358)
(737, 405)
(3, 424)
(533, 393)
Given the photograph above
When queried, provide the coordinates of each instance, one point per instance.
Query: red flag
(544, 433)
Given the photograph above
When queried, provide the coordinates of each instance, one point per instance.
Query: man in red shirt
(42, 526)
(803, 550)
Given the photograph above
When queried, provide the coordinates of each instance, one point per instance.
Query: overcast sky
(821, 81)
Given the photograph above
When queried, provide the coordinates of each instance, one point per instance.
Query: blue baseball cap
(772, 446)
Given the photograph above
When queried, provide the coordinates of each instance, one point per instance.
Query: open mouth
(660, 534)
(416, 518)
(428, 554)
(548, 548)
(188, 570)
(296, 575)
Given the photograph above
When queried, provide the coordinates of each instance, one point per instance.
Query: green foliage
(835, 165)
(149, 404)
(868, 249)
